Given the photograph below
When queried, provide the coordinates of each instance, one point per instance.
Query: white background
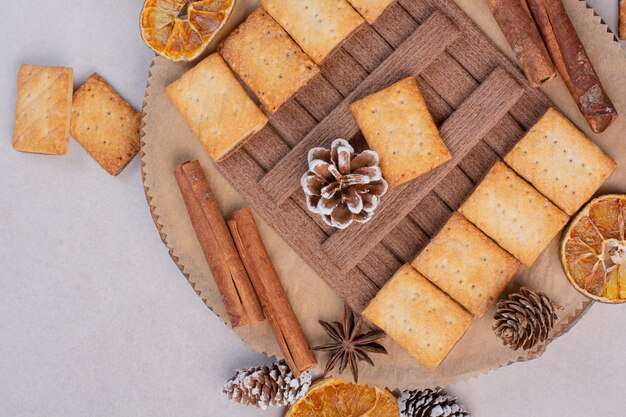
(95, 318)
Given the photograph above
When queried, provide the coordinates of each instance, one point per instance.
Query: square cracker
(267, 59)
(318, 26)
(467, 265)
(513, 213)
(105, 124)
(560, 161)
(418, 316)
(215, 105)
(42, 109)
(397, 124)
(371, 9)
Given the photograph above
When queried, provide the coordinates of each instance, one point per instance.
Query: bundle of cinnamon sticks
(241, 267)
(543, 37)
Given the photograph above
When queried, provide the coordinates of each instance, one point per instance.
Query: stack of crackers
(46, 112)
(509, 219)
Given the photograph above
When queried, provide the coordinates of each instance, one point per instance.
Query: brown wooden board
(479, 99)
(167, 140)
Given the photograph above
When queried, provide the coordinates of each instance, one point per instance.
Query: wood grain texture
(395, 25)
(431, 213)
(319, 97)
(479, 100)
(380, 265)
(463, 129)
(406, 240)
(295, 226)
(266, 147)
(368, 48)
(343, 71)
(411, 58)
(292, 122)
(454, 188)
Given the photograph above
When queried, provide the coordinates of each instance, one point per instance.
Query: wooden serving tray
(480, 101)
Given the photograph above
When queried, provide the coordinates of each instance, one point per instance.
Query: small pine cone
(430, 403)
(342, 186)
(524, 319)
(265, 386)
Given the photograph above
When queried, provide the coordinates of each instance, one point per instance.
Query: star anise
(349, 346)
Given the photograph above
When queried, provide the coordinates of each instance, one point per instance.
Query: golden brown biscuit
(513, 213)
(467, 265)
(318, 26)
(215, 105)
(42, 109)
(370, 9)
(418, 316)
(560, 161)
(105, 124)
(397, 124)
(267, 59)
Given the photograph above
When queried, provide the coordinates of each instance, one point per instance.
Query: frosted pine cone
(430, 403)
(524, 319)
(265, 386)
(342, 186)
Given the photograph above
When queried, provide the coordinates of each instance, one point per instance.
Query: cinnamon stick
(571, 60)
(521, 32)
(622, 19)
(242, 304)
(271, 292)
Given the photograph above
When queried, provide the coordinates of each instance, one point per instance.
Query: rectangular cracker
(318, 26)
(397, 124)
(560, 161)
(467, 265)
(216, 106)
(418, 316)
(514, 214)
(371, 9)
(105, 124)
(267, 59)
(42, 109)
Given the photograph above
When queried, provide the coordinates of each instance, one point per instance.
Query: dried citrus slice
(593, 251)
(334, 398)
(181, 29)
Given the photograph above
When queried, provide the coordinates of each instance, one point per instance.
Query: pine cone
(524, 319)
(430, 403)
(264, 386)
(343, 186)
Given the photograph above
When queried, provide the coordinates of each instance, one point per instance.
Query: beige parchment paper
(167, 141)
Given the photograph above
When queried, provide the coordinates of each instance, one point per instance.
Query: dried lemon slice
(334, 398)
(181, 29)
(593, 250)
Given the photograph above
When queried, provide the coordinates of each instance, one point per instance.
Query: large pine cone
(265, 386)
(524, 319)
(430, 403)
(343, 186)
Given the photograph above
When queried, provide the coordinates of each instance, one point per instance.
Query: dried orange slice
(593, 250)
(181, 29)
(334, 398)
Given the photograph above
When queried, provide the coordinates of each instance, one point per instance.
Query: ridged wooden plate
(482, 105)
